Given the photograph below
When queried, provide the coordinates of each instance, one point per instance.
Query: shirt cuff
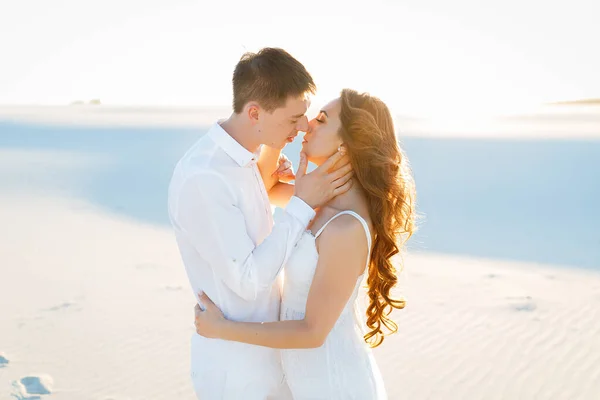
(300, 210)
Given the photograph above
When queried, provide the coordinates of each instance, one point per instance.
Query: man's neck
(241, 132)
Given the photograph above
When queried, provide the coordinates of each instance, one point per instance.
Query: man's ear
(253, 112)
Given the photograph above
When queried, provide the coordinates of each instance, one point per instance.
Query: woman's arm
(281, 194)
(268, 162)
(342, 256)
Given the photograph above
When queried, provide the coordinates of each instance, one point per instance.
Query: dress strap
(362, 221)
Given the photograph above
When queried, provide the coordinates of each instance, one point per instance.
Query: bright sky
(420, 56)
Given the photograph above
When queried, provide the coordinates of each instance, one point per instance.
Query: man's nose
(302, 124)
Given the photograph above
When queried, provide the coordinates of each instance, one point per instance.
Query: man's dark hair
(269, 77)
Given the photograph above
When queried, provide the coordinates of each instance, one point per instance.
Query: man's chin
(277, 147)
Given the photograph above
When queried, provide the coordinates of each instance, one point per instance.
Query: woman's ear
(342, 148)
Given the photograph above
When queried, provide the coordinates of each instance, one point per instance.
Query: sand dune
(88, 301)
(483, 329)
(98, 307)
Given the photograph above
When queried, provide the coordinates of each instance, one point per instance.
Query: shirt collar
(236, 151)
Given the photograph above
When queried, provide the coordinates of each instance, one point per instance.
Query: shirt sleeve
(208, 215)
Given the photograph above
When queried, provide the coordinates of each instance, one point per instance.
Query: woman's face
(321, 140)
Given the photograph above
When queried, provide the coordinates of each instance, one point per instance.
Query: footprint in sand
(3, 360)
(148, 265)
(30, 387)
(522, 303)
(62, 306)
(65, 306)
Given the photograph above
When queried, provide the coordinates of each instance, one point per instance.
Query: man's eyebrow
(324, 112)
(298, 115)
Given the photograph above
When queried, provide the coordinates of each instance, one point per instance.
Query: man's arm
(342, 254)
(207, 213)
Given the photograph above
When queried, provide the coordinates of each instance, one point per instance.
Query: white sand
(97, 307)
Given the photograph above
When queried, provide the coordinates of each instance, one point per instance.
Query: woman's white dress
(343, 367)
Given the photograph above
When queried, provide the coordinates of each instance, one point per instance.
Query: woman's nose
(310, 126)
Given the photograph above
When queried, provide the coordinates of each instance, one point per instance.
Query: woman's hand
(285, 171)
(210, 321)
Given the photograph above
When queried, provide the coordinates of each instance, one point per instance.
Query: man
(220, 211)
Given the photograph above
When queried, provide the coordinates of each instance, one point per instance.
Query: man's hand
(329, 180)
(208, 322)
(284, 172)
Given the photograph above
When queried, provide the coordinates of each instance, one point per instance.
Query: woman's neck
(354, 199)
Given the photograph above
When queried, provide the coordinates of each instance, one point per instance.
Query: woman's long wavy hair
(382, 170)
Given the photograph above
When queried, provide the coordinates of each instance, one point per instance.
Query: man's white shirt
(231, 250)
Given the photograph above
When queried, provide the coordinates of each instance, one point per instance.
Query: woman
(356, 233)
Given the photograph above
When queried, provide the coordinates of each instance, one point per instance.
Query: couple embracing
(277, 314)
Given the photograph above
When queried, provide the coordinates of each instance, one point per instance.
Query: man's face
(281, 126)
